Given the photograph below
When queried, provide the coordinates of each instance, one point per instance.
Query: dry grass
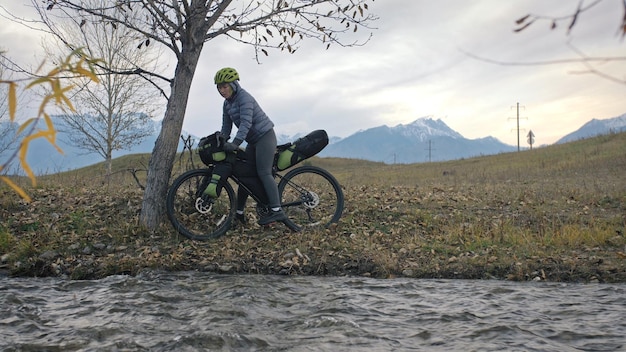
(556, 213)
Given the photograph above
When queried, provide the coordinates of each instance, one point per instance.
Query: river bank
(556, 213)
(83, 233)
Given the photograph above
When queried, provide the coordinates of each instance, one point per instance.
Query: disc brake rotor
(203, 206)
(311, 200)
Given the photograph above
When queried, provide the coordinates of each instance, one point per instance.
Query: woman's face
(225, 90)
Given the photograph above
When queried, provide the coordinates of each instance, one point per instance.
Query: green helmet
(226, 75)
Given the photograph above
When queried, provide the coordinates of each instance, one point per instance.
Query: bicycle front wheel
(195, 215)
(311, 197)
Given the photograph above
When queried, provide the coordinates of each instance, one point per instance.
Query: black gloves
(230, 147)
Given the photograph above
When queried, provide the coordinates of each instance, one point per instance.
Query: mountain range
(422, 140)
(596, 127)
(426, 139)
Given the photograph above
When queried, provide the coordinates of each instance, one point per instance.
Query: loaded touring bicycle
(201, 203)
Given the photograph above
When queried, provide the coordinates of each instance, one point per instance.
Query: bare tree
(183, 26)
(115, 114)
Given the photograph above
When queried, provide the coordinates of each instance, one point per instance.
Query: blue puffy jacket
(243, 110)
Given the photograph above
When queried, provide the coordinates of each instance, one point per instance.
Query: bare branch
(525, 21)
(583, 59)
(588, 61)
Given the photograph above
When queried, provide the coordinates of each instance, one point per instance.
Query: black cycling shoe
(241, 218)
(274, 216)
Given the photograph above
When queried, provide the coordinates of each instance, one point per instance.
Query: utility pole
(518, 129)
(430, 149)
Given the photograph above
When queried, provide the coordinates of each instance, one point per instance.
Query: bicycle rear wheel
(311, 197)
(195, 216)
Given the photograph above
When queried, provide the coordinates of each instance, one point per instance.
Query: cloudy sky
(423, 60)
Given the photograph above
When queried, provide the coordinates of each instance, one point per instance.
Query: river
(191, 311)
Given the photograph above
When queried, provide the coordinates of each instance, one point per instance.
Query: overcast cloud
(416, 65)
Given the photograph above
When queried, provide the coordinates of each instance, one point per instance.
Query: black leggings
(263, 152)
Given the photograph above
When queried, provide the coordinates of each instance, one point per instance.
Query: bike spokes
(311, 197)
(194, 214)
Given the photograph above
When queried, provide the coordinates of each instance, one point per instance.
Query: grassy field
(556, 213)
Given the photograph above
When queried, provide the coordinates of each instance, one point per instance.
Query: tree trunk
(164, 152)
(108, 162)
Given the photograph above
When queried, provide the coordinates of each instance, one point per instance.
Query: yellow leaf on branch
(73, 65)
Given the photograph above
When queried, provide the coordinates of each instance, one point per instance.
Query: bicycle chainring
(262, 211)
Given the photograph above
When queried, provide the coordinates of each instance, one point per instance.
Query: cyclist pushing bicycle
(201, 203)
(255, 127)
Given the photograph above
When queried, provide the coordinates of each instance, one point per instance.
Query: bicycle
(310, 197)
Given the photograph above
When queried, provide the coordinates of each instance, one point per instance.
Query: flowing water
(192, 311)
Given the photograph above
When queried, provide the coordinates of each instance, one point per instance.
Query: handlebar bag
(210, 148)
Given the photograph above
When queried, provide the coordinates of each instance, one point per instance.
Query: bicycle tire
(311, 197)
(211, 218)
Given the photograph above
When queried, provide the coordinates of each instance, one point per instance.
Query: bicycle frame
(256, 197)
(310, 197)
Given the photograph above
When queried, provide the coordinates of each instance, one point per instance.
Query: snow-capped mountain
(423, 140)
(596, 127)
(425, 129)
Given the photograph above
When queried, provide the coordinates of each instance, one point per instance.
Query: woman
(254, 127)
